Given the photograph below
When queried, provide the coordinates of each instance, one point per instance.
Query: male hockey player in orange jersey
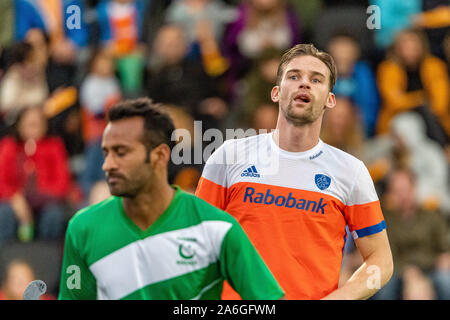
(296, 214)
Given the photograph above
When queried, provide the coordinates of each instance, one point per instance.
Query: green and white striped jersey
(185, 254)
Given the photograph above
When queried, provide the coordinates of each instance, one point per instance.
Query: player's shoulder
(205, 210)
(94, 214)
(250, 140)
(340, 158)
(239, 147)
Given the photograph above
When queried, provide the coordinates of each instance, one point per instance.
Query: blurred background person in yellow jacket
(411, 79)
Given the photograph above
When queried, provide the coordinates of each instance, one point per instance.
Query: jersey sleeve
(77, 281)
(362, 210)
(212, 186)
(244, 269)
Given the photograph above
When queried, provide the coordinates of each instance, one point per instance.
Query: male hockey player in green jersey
(151, 240)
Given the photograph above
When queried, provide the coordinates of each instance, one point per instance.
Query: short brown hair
(308, 49)
(158, 126)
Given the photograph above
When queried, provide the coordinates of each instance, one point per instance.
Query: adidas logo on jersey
(251, 172)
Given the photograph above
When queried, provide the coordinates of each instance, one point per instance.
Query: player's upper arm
(77, 282)
(362, 210)
(212, 186)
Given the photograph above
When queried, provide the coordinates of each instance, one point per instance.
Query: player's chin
(115, 190)
(299, 118)
(297, 112)
(123, 192)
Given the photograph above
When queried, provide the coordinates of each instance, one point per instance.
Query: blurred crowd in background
(216, 61)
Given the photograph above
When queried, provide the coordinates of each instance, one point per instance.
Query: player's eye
(121, 152)
(293, 77)
(316, 80)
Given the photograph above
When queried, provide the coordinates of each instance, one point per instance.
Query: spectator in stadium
(63, 22)
(24, 83)
(434, 20)
(40, 44)
(427, 160)
(309, 11)
(34, 180)
(342, 127)
(121, 31)
(53, 78)
(175, 79)
(411, 79)
(406, 144)
(260, 24)
(256, 84)
(59, 77)
(356, 79)
(416, 285)
(394, 17)
(183, 172)
(264, 118)
(29, 84)
(204, 22)
(99, 91)
(56, 18)
(17, 276)
(419, 239)
(190, 14)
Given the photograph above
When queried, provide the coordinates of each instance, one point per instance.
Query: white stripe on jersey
(138, 264)
(350, 180)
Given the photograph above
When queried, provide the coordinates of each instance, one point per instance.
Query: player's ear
(160, 155)
(275, 94)
(331, 101)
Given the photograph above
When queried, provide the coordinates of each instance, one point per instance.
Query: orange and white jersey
(294, 207)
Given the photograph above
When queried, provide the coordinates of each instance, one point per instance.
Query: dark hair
(17, 53)
(158, 126)
(308, 50)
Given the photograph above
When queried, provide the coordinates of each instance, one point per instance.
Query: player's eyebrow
(115, 147)
(314, 73)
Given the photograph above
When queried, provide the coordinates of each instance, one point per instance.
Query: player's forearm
(373, 274)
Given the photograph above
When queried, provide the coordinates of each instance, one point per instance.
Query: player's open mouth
(305, 98)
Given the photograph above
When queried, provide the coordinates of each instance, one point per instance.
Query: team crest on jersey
(186, 250)
(322, 181)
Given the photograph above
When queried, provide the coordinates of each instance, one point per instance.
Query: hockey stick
(34, 290)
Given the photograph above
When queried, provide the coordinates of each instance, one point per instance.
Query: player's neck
(297, 138)
(147, 207)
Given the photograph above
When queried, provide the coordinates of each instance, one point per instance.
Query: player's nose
(109, 163)
(304, 84)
